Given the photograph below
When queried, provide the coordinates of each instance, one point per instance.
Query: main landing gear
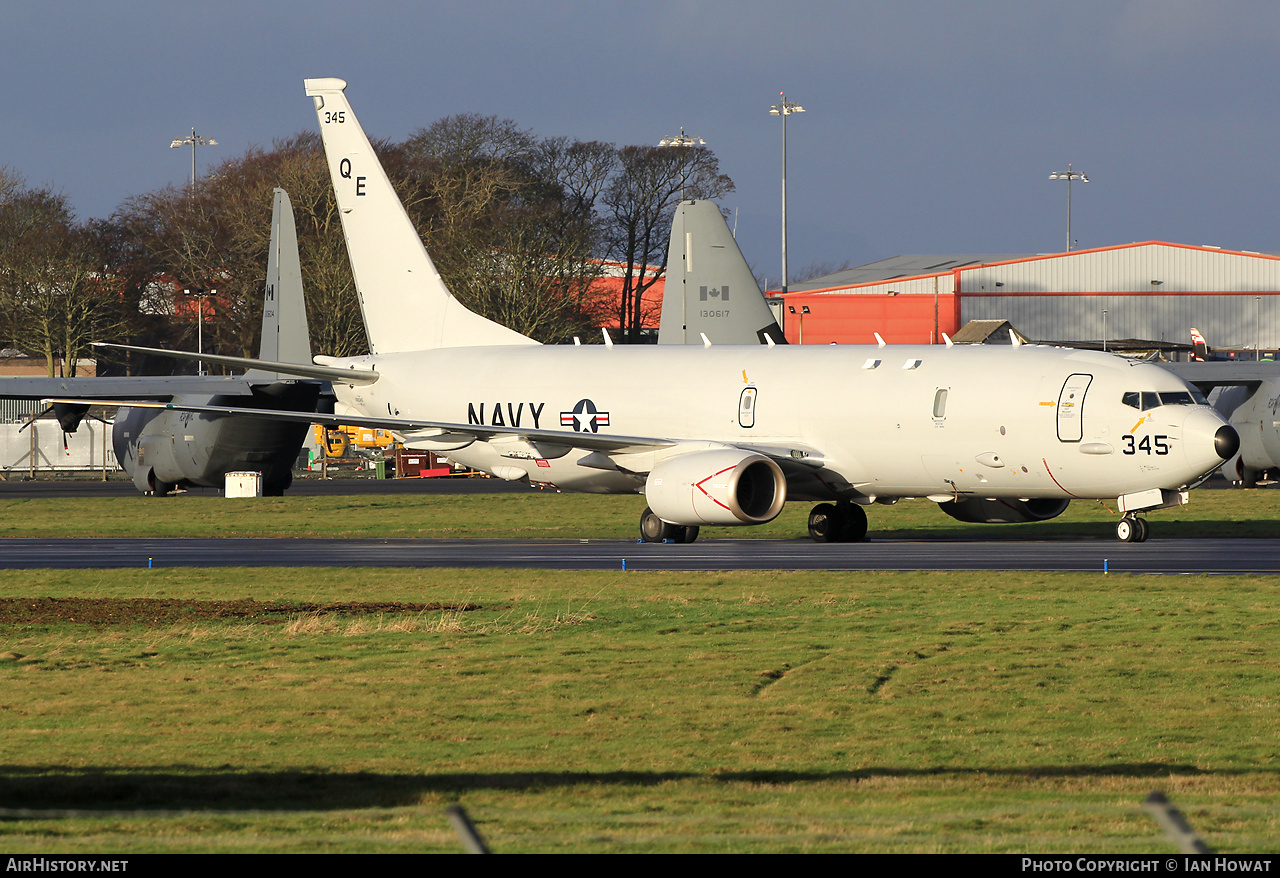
(654, 530)
(1132, 529)
(842, 522)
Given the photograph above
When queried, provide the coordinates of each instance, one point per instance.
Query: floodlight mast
(784, 109)
(1069, 175)
(684, 141)
(193, 141)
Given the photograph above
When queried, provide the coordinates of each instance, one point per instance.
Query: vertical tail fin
(285, 335)
(405, 304)
(284, 312)
(709, 287)
(1199, 347)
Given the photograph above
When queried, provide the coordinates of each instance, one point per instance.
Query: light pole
(682, 141)
(1104, 330)
(1069, 175)
(784, 109)
(200, 295)
(193, 141)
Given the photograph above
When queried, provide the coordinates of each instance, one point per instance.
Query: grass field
(1211, 513)
(628, 712)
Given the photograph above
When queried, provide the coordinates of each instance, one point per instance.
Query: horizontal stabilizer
(300, 370)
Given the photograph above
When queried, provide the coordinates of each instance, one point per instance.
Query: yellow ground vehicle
(339, 442)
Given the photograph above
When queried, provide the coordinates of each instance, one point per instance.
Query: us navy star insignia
(584, 418)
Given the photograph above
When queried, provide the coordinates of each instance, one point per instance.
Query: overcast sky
(931, 127)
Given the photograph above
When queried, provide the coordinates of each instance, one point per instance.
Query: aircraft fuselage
(161, 449)
(884, 422)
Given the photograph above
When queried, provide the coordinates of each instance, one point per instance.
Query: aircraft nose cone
(1226, 442)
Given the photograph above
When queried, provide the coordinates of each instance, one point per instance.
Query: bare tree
(56, 293)
(509, 221)
(519, 228)
(216, 236)
(640, 202)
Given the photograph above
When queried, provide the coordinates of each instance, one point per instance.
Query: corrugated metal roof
(899, 266)
(1148, 290)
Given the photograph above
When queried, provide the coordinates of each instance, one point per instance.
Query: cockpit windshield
(1150, 399)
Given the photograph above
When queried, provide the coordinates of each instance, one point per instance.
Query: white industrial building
(1152, 290)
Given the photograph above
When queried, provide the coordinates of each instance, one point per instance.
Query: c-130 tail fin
(709, 287)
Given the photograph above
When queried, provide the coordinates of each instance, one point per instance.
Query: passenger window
(1132, 398)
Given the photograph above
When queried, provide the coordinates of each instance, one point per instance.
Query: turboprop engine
(1003, 511)
(726, 486)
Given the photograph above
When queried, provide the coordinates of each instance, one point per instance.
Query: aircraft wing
(439, 432)
(133, 387)
(795, 458)
(1225, 373)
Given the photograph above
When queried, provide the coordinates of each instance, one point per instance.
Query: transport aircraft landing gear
(158, 488)
(1132, 529)
(654, 530)
(842, 522)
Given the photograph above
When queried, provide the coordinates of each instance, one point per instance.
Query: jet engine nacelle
(726, 486)
(1003, 511)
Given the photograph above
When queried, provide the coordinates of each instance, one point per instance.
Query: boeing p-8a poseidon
(725, 435)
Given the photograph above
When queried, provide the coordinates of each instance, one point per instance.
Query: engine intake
(1003, 511)
(717, 487)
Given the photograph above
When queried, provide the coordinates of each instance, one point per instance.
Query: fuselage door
(1071, 407)
(747, 408)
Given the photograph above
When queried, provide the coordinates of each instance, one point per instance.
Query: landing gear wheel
(824, 523)
(855, 530)
(1132, 530)
(654, 530)
(686, 534)
(837, 523)
(159, 488)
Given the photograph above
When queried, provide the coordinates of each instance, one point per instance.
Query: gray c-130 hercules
(725, 435)
(162, 450)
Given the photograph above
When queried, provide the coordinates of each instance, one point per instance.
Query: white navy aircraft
(725, 435)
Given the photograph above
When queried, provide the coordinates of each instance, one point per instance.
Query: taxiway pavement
(1218, 556)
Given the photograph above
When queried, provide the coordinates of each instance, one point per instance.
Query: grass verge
(753, 711)
(1211, 513)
